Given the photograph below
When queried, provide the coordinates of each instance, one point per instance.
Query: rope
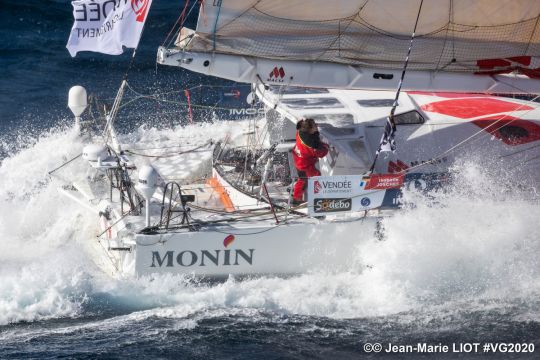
(215, 26)
(395, 104)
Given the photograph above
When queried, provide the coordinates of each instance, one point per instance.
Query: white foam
(469, 247)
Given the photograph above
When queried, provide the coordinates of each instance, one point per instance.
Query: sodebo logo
(332, 205)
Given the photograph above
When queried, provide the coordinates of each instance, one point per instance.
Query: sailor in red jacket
(309, 148)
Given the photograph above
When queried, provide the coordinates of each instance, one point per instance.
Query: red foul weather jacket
(309, 148)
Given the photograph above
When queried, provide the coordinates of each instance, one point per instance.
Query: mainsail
(452, 35)
(362, 43)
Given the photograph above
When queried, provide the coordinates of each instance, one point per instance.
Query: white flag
(106, 25)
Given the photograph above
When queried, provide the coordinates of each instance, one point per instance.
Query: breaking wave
(475, 246)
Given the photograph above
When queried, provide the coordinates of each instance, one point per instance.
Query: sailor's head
(307, 125)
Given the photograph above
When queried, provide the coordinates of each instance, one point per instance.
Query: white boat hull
(289, 249)
(234, 231)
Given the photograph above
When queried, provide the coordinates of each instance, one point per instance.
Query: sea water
(456, 270)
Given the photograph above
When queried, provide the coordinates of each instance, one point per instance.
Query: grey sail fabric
(492, 36)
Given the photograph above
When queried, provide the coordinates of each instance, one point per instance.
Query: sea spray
(456, 247)
(473, 240)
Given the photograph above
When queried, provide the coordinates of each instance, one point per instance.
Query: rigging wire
(64, 164)
(135, 208)
(155, 97)
(520, 151)
(209, 142)
(181, 20)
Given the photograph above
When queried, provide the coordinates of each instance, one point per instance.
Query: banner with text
(349, 193)
(106, 25)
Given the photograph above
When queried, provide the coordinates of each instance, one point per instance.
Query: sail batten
(479, 36)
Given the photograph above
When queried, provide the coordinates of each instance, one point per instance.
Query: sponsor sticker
(276, 75)
(386, 181)
(332, 205)
(332, 187)
(340, 194)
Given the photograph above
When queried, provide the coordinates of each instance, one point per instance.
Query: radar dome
(77, 100)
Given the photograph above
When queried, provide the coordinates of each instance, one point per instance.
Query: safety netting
(452, 35)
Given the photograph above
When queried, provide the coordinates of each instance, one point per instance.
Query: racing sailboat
(229, 210)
